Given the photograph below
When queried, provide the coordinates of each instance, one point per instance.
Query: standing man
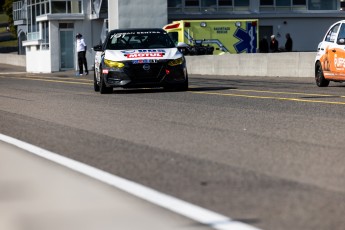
(274, 44)
(288, 44)
(81, 50)
(263, 45)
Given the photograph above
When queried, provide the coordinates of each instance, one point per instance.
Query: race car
(330, 57)
(136, 58)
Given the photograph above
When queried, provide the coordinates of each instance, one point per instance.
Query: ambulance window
(332, 33)
(174, 37)
(342, 31)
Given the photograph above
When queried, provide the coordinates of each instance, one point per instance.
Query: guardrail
(293, 64)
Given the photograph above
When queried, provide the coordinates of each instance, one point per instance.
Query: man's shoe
(87, 73)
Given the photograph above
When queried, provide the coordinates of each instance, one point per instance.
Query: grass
(2, 29)
(3, 18)
(11, 43)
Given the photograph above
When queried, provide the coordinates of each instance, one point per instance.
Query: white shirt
(81, 45)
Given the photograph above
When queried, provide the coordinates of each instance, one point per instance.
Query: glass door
(66, 49)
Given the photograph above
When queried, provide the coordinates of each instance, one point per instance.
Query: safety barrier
(12, 59)
(294, 64)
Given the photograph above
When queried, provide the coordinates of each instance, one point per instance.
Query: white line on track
(196, 213)
(11, 73)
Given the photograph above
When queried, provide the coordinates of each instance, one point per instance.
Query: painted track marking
(196, 213)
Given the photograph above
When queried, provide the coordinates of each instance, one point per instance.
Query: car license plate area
(145, 71)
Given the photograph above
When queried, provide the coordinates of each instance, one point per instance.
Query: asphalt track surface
(267, 152)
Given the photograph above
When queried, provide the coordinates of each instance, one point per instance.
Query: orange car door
(336, 55)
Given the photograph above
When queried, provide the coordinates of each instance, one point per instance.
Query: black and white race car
(133, 58)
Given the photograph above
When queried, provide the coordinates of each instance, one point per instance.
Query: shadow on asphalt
(162, 90)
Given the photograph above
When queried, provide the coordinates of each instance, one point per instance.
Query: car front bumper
(142, 75)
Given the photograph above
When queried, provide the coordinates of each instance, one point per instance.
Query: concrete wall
(38, 61)
(294, 64)
(13, 59)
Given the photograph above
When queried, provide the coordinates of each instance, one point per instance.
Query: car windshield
(139, 40)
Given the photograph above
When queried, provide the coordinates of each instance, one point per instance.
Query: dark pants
(82, 61)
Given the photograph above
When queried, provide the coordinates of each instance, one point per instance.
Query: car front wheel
(103, 89)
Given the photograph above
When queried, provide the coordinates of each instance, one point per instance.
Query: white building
(47, 28)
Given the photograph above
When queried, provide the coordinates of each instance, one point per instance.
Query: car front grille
(146, 72)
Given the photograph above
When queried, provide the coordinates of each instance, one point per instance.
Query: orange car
(330, 58)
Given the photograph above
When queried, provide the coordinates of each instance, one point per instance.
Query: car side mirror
(341, 41)
(182, 45)
(183, 48)
(98, 48)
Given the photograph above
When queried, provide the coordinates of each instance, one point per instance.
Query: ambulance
(223, 36)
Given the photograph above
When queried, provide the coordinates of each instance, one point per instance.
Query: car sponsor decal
(144, 61)
(123, 34)
(143, 53)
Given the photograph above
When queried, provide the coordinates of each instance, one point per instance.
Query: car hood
(129, 55)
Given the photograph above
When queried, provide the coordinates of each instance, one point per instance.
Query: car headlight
(175, 62)
(113, 64)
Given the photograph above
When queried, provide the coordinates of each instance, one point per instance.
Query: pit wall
(12, 59)
(294, 64)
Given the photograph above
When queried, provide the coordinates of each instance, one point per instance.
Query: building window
(66, 25)
(32, 24)
(225, 2)
(266, 2)
(283, 2)
(175, 6)
(241, 3)
(299, 2)
(192, 3)
(45, 36)
(66, 7)
(342, 6)
(174, 3)
(208, 3)
(277, 5)
(59, 7)
(323, 4)
(46, 7)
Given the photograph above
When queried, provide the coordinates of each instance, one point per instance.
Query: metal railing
(33, 36)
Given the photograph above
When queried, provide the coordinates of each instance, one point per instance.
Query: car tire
(319, 77)
(95, 83)
(178, 87)
(184, 86)
(103, 89)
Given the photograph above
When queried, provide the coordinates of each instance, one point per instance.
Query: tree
(2, 2)
(8, 9)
